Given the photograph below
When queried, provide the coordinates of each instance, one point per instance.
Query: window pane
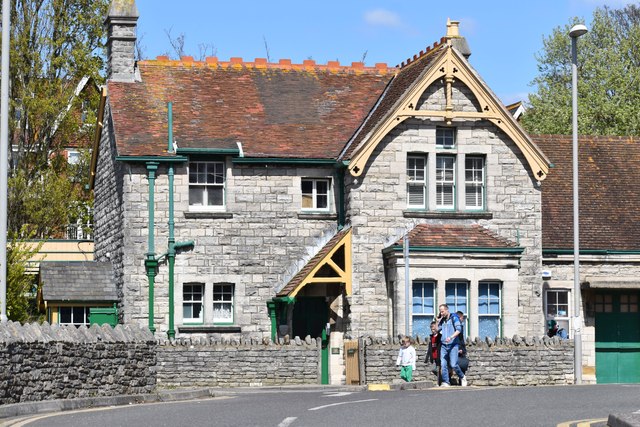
(65, 315)
(456, 296)
(421, 326)
(416, 194)
(323, 202)
(78, 315)
(488, 327)
(215, 196)
(307, 187)
(307, 201)
(196, 194)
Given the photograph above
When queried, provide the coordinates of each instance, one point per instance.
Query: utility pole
(4, 153)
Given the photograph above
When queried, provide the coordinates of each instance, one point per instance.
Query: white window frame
(487, 297)
(474, 182)
(446, 137)
(85, 320)
(219, 182)
(429, 315)
(415, 185)
(220, 291)
(564, 320)
(192, 302)
(316, 194)
(73, 156)
(445, 183)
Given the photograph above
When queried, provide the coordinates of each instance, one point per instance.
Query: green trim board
(137, 159)
(290, 161)
(398, 248)
(547, 252)
(212, 151)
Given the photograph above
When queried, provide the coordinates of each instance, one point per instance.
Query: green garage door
(617, 337)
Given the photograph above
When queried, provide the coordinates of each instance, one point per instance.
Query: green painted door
(310, 317)
(617, 337)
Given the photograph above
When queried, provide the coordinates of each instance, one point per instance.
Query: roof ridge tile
(423, 53)
(263, 63)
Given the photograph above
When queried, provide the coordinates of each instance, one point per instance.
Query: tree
(608, 77)
(20, 286)
(54, 45)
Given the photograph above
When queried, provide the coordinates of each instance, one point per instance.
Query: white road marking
(337, 393)
(341, 403)
(287, 421)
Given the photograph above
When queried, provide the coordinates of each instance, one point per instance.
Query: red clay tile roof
(313, 262)
(403, 81)
(609, 192)
(274, 110)
(455, 236)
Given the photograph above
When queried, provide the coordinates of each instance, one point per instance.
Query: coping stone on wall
(35, 332)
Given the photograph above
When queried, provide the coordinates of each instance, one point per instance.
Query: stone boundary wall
(233, 363)
(528, 361)
(44, 362)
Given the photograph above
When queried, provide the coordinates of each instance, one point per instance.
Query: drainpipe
(340, 171)
(171, 256)
(151, 264)
(271, 307)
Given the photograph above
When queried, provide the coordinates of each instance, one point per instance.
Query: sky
(504, 36)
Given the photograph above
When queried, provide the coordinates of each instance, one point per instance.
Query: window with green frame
(192, 302)
(223, 303)
(474, 183)
(423, 307)
(489, 309)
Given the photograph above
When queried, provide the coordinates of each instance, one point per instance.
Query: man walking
(450, 327)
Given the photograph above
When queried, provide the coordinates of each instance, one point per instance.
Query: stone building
(254, 199)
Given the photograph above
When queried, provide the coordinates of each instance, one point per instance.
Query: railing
(79, 232)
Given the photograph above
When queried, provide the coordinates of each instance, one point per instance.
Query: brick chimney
(121, 42)
(456, 40)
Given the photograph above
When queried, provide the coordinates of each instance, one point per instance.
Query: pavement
(172, 395)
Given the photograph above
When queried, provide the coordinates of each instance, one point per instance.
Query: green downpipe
(341, 168)
(324, 358)
(172, 250)
(271, 307)
(151, 263)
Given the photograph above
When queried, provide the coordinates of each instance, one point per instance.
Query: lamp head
(578, 30)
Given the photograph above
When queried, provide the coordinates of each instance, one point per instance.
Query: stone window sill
(318, 216)
(208, 215)
(208, 329)
(447, 215)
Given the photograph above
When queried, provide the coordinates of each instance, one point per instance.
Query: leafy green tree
(54, 45)
(20, 287)
(608, 77)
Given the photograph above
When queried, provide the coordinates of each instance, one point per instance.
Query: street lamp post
(576, 31)
(4, 148)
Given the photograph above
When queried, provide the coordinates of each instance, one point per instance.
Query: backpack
(454, 317)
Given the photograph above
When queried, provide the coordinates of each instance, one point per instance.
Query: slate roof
(275, 110)
(609, 192)
(403, 81)
(455, 236)
(313, 262)
(77, 281)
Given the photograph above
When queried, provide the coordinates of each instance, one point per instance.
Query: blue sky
(504, 36)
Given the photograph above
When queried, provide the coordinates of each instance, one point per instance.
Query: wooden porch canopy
(332, 264)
